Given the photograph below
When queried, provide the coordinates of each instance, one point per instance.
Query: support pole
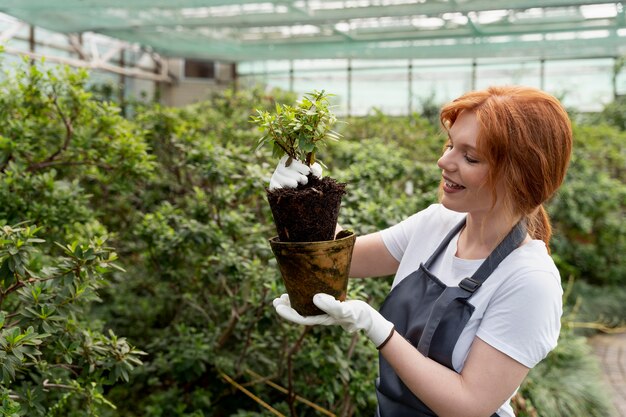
(234, 75)
(31, 42)
(410, 89)
(158, 87)
(474, 75)
(122, 89)
(349, 100)
(616, 70)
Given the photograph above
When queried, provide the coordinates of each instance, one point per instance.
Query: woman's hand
(351, 315)
(296, 173)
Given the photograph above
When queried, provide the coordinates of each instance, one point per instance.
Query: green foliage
(183, 200)
(200, 294)
(594, 307)
(613, 114)
(60, 151)
(389, 164)
(415, 134)
(52, 122)
(51, 357)
(204, 276)
(588, 211)
(384, 187)
(298, 131)
(568, 382)
(10, 407)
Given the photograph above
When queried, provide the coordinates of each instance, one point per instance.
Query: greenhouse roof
(251, 30)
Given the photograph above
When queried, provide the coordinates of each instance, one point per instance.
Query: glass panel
(583, 84)
(508, 73)
(333, 81)
(436, 82)
(382, 88)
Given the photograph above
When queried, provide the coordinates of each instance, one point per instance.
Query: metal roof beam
(611, 45)
(66, 5)
(156, 16)
(425, 7)
(393, 33)
(498, 29)
(135, 72)
(10, 31)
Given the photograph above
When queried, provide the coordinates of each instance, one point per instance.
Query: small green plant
(298, 131)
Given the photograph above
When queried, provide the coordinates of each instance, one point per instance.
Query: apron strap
(468, 286)
(512, 240)
(444, 243)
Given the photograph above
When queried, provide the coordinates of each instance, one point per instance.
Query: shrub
(59, 151)
(54, 361)
(587, 213)
(567, 383)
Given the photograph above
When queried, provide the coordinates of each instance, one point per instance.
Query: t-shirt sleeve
(523, 319)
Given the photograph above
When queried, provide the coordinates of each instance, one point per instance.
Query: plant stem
(291, 396)
(276, 135)
(309, 158)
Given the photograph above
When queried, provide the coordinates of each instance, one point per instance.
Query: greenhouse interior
(139, 275)
(391, 55)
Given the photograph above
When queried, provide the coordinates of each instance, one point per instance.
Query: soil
(309, 212)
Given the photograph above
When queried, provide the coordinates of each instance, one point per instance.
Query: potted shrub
(311, 258)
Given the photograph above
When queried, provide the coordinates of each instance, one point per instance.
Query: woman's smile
(450, 186)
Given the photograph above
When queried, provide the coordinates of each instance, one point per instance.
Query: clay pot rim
(274, 241)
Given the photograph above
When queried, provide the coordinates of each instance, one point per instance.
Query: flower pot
(309, 268)
(309, 212)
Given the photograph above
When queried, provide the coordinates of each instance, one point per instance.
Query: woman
(476, 299)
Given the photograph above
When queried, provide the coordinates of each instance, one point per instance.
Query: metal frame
(250, 30)
(92, 52)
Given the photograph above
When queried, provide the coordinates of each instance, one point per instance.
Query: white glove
(294, 174)
(352, 315)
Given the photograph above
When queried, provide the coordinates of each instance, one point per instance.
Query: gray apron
(431, 316)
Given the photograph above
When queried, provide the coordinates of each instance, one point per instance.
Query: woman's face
(464, 172)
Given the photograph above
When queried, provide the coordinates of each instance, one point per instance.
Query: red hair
(525, 136)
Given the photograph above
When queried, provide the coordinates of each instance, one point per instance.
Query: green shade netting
(251, 30)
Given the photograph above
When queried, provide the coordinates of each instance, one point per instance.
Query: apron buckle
(469, 284)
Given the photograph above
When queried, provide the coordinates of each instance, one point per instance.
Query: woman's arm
(371, 258)
(487, 380)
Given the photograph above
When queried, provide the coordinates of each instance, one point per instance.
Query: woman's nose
(445, 161)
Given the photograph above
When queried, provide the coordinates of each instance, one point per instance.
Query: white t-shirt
(518, 308)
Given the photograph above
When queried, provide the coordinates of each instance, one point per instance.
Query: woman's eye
(471, 160)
